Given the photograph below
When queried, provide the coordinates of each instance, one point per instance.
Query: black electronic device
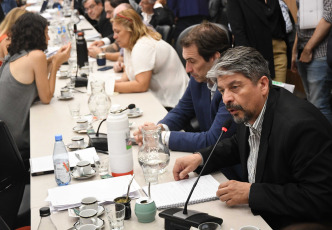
(81, 82)
(99, 142)
(182, 219)
(176, 220)
(105, 68)
(44, 6)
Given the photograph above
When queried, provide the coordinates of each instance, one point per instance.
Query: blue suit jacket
(211, 115)
(185, 8)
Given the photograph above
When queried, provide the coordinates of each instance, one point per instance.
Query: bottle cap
(44, 211)
(58, 137)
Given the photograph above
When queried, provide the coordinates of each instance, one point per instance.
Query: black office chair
(165, 31)
(12, 180)
(3, 225)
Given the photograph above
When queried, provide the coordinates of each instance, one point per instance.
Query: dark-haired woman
(26, 74)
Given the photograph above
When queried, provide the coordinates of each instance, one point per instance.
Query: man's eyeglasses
(89, 8)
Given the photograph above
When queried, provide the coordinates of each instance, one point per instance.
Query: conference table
(55, 118)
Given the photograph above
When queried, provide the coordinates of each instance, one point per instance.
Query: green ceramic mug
(145, 210)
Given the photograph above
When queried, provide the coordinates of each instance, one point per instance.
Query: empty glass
(116, 215)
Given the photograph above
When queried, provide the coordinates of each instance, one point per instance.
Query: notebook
(174, 194)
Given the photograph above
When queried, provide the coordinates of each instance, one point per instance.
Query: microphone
(130, 106)
(99, 140)
(175, 219)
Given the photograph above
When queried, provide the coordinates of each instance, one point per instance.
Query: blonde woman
(5, 28)
(150, 62)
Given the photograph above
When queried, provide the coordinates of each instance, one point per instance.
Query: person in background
(156, 14)
(2, 14)
(309, 59)
(329, 50)
(27, 75)
(97, 17)
(284, 145)
(150, 62)
(188, 13)
(247, 21)
(109, 6)
(8, 5)
(5, 28)
(217, 11)
(112, 51)
(201, 47)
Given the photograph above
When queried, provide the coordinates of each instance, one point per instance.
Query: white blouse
(169, 78)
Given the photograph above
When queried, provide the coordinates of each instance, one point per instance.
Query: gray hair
(244, 60)
(152, 1)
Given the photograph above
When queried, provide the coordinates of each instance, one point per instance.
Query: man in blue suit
(201, 47)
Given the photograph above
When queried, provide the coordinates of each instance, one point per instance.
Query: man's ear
(264, 84)
(215, 56)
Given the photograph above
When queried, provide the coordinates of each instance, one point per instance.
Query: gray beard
(246, 118)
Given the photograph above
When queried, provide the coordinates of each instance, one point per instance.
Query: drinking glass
(153, 155)
(74, 108)
(116, 215)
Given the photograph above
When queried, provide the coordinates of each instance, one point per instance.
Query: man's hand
(184, 165)
(138, 133)
(293, 63)
(93, 51)
(234, 192)
(306, 55)
(97, 43)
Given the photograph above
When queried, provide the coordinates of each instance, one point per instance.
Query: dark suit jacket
(293, 180)
(103, 25)
(250, 26)
(329, 50)
(211, 115)
(162, 16)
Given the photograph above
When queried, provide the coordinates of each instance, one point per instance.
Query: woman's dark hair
(28, 33)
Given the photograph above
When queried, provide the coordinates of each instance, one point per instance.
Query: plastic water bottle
(61, 162)
(119, 144)
(46, 222)
(64, 36)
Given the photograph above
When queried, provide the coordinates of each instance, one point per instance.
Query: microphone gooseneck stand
(178, 219)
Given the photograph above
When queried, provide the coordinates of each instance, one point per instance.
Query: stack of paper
(105, 190)
(42, 165)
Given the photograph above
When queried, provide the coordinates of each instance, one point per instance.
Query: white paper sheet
(104, 190)
(40, 165)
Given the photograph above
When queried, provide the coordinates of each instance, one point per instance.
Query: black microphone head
(131, 106)
(227, 123)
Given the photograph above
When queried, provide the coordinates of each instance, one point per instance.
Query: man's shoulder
(292, 110)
